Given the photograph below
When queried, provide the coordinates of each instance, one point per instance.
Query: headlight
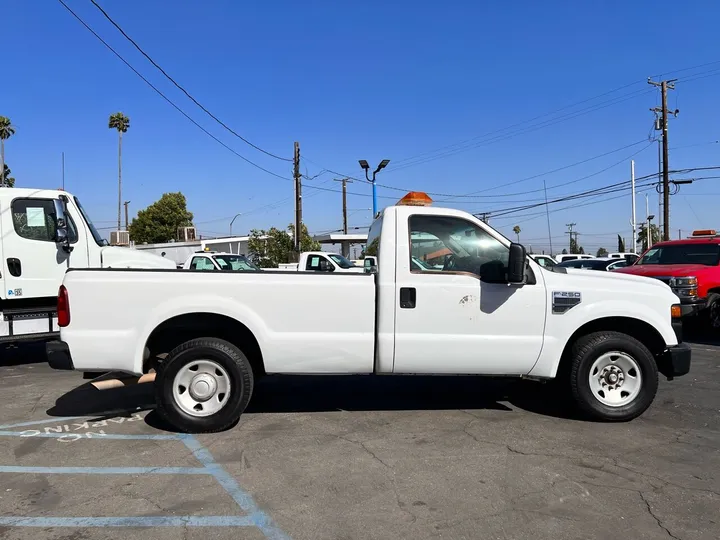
(684, 282)
(686, 293)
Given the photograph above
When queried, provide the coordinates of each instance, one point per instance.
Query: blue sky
(372, 80)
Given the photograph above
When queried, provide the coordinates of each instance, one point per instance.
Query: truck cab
(220, 261)
(45, 233)
(322, 261)
(691, 267)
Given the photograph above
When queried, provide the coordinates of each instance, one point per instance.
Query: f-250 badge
(562, 301)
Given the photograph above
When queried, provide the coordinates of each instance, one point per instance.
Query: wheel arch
(182, 328)
(644, 332)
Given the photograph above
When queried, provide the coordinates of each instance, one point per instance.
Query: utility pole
(485, 217)
(570, 232)
(664, 86)
(344, 245)
(126, 203)
(679, 234)
(345, 182)
(298, 197)
(634, 217)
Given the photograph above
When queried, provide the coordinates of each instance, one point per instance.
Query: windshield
(705, 254)
(99, 240)
(341, 261)
(234, 263)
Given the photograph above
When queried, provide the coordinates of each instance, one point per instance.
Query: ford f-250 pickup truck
(489, 310)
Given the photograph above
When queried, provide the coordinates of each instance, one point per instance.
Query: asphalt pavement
(358, 458)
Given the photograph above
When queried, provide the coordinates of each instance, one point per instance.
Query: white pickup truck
(490, 310)
(214, 261)
(321, 261)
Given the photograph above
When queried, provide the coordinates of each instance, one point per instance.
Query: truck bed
(304, 322)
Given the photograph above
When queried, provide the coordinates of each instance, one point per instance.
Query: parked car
(629, 257)
(606, 264)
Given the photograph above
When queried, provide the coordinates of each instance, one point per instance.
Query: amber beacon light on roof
(415, 198)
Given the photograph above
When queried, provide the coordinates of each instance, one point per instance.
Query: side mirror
(516, 263)
(61, 229)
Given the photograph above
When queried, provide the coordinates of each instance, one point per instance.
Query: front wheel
(613, 377)
(203, 385)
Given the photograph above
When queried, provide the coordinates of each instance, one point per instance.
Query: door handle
(14, 267)
(407, 297)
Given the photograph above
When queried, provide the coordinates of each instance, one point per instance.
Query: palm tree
(8, 180)
(7, 130)
(122, 123)
(516, 230)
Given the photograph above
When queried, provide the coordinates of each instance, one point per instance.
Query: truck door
(448, 320)
(33, 263)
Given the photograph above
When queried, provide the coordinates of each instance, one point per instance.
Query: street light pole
(233, 221)
(366, 167)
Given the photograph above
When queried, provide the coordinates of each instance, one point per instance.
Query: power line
(176, 107)
(211, 115)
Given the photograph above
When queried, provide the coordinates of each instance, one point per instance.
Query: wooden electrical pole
(126, 203)
(345, 182)
(570, 232)
(298, 197)
(663, 110)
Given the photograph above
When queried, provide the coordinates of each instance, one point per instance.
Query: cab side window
(450, 245)
(201, 263)
(317, 263)
(35, 219)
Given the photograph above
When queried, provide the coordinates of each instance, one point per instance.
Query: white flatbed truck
(490, 310)
(35, 254)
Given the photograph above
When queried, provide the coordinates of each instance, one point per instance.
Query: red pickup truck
(691, 267)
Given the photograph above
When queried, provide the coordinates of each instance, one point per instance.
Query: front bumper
(675, 361)
(58, 355)
(692, 307)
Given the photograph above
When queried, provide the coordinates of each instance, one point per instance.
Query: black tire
(589, 348)
(225, 354)
(711, 317)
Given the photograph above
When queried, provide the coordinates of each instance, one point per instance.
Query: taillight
(63, 307)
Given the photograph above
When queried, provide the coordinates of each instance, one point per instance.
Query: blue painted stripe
(145, 521)
(260, 519)
(103, 470)
(94, 435)
(57, 420)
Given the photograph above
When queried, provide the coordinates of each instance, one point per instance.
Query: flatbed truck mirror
(61, 229)
(516, 263)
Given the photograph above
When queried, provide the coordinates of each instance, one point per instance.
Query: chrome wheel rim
(201, 388)
(615, 379)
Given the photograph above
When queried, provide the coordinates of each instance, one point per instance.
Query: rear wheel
(203, 385)
(613, 376)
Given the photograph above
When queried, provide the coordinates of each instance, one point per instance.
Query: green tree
(7, 179)
(642, 236)
(564, 252)
(581, 250)
(159, 222)
(621, 245)
(516, 230)
(271, 247)
(7, 130)
(122, 123)
(602, 252)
